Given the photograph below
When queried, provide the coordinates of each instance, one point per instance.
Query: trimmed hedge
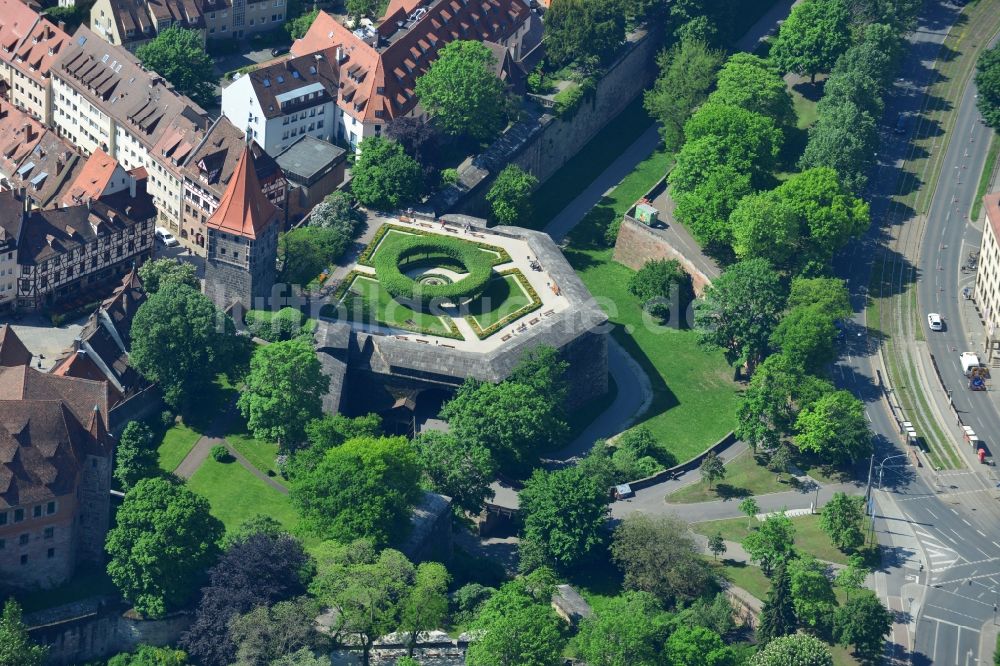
(536, 302)
(390, 262)
(365, 258)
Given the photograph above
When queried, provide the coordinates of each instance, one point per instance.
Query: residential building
(166, 162)
(209, 169)
(63, 253)
(55, 471)
(103, 99)
(8, 270)
(987, 291)
(132, 23)
(101, 175)
(280, 103)
(236, 19)
(34, 158)
(242, 242)
(380, 64)
(313, 169)
(101, 351)
(29, 44)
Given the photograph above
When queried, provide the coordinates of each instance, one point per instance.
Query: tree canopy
(752, 83)
(864, 623)
(630, 630)
(813, 36)
(777, 617)
(181, 342)
(834, 427)
(158, 272)
(772, 542)
(364, 488)
(564, 515)
(299, 26)
(307, 251)
(384, 176)
(264, 634)
(462, 92)
(687, 71)
(510, 195)
(284, 391)
(745, 140)
(812, 593)
(163, 542)
(794, 650)
(740, 310)
(458, 469)
(843, 521)
(698, 646)
(179, 56)
(988, 86)
(16, 649)
(135, 455)
(659, 555)
(588, 32)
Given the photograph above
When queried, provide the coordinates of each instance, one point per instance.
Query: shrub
(449, 177)
(167, 418)
(569, 99)
(410, 251)
(220, 453)
(284, 324)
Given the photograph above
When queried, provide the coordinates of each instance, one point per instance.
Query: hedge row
(390, 262)
(365, 258)
(535, 303)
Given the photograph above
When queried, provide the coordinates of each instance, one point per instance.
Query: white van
(165, 237)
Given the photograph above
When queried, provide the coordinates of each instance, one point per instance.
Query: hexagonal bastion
(382, 353)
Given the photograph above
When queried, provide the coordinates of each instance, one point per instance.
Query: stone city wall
(638, 244)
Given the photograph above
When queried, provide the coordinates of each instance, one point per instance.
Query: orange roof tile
(92, 179)
(243, 210)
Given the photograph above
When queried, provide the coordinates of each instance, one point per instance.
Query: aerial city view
(499, 332)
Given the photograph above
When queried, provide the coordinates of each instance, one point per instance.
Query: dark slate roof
(308, 157)
(214, 159)
(12, 350)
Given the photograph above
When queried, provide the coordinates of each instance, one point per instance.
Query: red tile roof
(92, 179)
(243, 210)
(377, 82)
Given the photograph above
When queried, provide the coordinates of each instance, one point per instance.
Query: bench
(424, 342)
(533, 321)
(507, 337)
(548, 313)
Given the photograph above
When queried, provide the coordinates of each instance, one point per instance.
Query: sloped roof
(286, 77)
(12, 350)
(39, 49)
(243, 209)
(377, 82)
(213, 161)
(19, 134)
(92, 179)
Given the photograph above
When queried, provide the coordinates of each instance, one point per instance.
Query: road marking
(966, 522)
(981, 533)
(995, 544)
(954, 512)
(975, 619)
(953, 624)
(932, 514)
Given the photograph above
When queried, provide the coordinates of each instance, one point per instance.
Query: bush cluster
(411, 251)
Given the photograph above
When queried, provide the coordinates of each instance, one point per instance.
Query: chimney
(338, 56)
(62, 25)
(49, 238)
(27, 131)
(131, 187)
(89, 200)
(59, 165)
(70, 231)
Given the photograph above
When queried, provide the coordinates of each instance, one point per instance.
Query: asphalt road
(938, 530)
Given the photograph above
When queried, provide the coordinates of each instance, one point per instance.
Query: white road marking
(981, 533)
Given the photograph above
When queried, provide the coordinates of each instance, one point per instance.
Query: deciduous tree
(266, 633)
(587, 32)
(426, 604)
(630, 629)
(988, 86)
(752, 83)
(794, 650)
(564, 515)
(364, 488)
(739, 311)
(687, 72)
(765, 227)
(843, 520)
(852, 577)
(179, 56)
(458, 469)
(284, 391)
(306, 252)
(510, 196)
(384, 176)
(462, 92)
(749, 508)
(844, 139)
(659, 555)
(135, 455)
(16, 649)
(698, 646)
(299, 26)
(834, 427)
(156, 273)
(864, 623)
(772, 542)
(717, 545)
(812, 37)
(181, 342)
(662, 286)
(712, 469)
(164, 540)
(812, 593)
(747, 141)
(148, 655)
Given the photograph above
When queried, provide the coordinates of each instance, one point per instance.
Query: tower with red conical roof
(242, 242)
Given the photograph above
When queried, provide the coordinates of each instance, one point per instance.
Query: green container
(646, 214)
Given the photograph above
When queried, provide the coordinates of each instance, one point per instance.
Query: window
(49, 532)
(18, 515)
(50, 508)
(50, 553)
(23, 539)
(3, 544)
(3, 517)
(36, 511)
(24, 559)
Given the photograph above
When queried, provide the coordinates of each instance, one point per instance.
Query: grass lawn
(394, 236)
(549, 199)
(688, 380)
(747, 576)
(235, 494)
(503, 297)
(261, 454)
(984, 180)
(178, 440)
(87, 582)
(366, 295)
(744, 477)
(809, 538)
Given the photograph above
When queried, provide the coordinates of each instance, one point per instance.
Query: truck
(974, 370)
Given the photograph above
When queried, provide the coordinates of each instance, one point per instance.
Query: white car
(934, 322)
(165, 237)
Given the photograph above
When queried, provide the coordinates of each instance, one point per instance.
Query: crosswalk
(941, 557)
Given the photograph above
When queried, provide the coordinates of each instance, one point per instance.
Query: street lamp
(881, 467)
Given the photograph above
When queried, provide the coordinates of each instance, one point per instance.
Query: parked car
(165, 237)
(900, 124)
(279, 50)
(934, 322)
